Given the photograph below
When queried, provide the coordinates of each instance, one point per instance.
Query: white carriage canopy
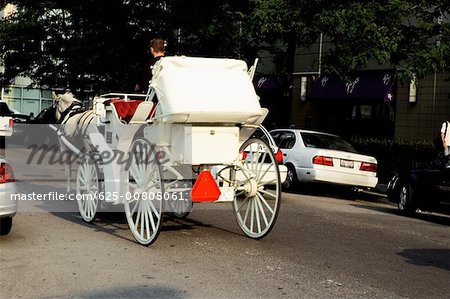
(192, 90)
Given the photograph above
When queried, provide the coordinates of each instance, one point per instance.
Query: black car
(34, 130)
(20, 125)
(46, 116)
(427, 189)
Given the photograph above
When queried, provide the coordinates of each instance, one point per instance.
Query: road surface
(322, 246)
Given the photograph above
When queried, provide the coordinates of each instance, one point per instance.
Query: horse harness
(83, 121)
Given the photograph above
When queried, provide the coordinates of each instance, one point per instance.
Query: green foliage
(412, 36)
(360, 32)
(284, 23)
(393, 155)
(77, 43)
(212, 28)
(104, 44)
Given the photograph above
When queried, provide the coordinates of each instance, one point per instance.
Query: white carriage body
(213, 99)
(205, 111)
(206, 108)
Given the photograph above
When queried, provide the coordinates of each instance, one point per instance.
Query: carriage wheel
(144, 201)
(258, 189)
(87, 185)
(181, 209)
(178, 206)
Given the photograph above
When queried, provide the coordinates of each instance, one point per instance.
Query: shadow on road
(382, 209)
(115, 223)
(433, 218)
(337, 192)
(142, 291)
(111, 222)
(439, 258)
(176, 224)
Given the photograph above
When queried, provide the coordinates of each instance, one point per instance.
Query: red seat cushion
(125, 109)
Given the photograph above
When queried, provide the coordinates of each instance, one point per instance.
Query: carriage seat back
(132, 111)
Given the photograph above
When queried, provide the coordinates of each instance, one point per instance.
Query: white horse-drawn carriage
(188, 140)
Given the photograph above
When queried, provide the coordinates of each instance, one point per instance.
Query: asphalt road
(322, 246)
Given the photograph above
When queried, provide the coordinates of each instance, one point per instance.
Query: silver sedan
(8, 206)
(312, 156)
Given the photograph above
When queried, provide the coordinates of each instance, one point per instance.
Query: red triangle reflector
(205, 188)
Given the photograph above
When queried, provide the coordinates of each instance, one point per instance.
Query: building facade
(373, 106)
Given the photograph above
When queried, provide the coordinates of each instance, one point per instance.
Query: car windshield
(324, 141)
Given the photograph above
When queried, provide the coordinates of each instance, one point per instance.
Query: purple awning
(269, 82)
(370, 85)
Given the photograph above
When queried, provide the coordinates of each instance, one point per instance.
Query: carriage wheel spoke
(247, 212)
(258, 172)
(147, 228)
(135, 207)
(91, 210)
(143, 210)
(271, 194)
(242, 204)
(252, 214)
(260, 177)
(155, 211)
(83, 188)
(137, 214)
(263, 200)
(261, 210)
(256, 208)
(152, 221)
(239, 193)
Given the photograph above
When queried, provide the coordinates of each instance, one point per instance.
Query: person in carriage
(157, 50)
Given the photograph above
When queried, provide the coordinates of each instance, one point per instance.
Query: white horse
(76, 125)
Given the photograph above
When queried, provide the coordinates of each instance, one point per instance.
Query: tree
(405, 34)
(76, 43)
(283, 23)
(103, 44)
(214, 28)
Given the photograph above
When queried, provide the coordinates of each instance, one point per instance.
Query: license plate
(347, 163)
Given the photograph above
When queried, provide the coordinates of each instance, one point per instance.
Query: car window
(286, 140)
(41, 114)
(276, 137)
(46, 116)
(326, 142)
(20, 118)
(4, 109)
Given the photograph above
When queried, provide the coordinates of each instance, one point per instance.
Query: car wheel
(406, 202)
(5, 225)
(291, 178)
